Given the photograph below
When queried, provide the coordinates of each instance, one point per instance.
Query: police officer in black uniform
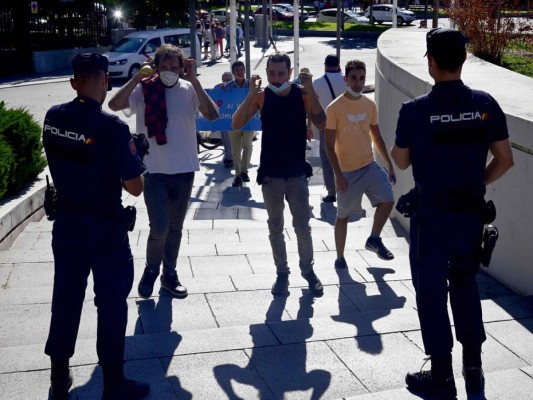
(446, 136)
(91, 156)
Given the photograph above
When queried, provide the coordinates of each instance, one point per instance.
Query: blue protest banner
(227, 100)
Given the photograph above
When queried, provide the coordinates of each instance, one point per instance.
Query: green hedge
(21, 150)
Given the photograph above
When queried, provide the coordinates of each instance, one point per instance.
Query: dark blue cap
(444, 41)
(87, 63)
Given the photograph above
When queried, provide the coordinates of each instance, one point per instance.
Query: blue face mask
(353, 92)
(280, 89)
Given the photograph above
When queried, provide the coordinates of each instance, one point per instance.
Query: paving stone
(304, 371)
(25, 241)
(378, 361)
(230, 235)
(216, 376)
(243, 308)
(348, 325)
(24, 385)
(512, 335)
(166, 314)
(140, 347)
(5, 272)
(206, 267)
(88, 380)
(379, 295)
(32, 322)
(507, 308)
(31, 275)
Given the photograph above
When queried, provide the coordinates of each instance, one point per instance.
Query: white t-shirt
(180, 153)
(322, 89)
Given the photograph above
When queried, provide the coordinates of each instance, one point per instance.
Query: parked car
(290, 8)
(224, 16)
(330, 15)
(383, 12)
(278, 14)
(128, 55)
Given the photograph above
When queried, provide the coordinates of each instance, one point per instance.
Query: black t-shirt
(283, 145)
(448, 133)
(90, 153)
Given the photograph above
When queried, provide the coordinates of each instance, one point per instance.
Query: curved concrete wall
(401, 74)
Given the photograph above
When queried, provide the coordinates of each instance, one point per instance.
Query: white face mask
(168, 78)
(280, 89)
(353, 92)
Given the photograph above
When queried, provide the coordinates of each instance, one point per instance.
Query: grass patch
(518, 57)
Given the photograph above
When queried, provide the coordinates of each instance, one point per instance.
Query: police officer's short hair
(354, 64)
(279, 57)
(85, 65)
(167, 51)
(447, 47)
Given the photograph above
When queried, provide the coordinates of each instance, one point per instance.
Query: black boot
(116, 386)
(60, 379)
(438, 382)
(472, 371)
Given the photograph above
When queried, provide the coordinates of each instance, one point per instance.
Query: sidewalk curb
(18, 211)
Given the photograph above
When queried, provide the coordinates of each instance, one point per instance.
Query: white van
(127, 56)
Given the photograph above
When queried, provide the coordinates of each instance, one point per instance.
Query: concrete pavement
(231, 338)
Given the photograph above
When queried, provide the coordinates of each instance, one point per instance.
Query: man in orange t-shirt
(351, 129)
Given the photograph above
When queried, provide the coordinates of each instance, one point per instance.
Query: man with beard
(165, 104)
(283, 169)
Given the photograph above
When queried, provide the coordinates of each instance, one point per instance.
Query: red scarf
(155, 108)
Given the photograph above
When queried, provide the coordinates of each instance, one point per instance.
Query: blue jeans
(167, 198)
(296, 192)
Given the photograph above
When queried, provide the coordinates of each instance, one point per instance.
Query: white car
(290, 8)
(128, 55)
(330, 15)
(224, 16)
(383, 12)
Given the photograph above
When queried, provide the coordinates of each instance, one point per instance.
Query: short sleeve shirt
(180, 154)
(351, 121)
(449, 140)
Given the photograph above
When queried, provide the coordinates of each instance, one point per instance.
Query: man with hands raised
(165, 104)
(283, 171)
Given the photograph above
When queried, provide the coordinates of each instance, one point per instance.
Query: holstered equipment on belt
(490, 236)
(50, 200)
(125, 221)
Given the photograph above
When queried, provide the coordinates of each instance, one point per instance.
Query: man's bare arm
(249, 107)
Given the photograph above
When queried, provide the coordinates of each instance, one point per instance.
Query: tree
(488, 30)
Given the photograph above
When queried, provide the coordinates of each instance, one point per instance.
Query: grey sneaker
(376, 245)
(341, 263)
(171, 283)
(146, 285)
(315, 286)
(281, 286)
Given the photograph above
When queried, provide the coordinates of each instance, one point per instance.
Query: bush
(20, 134)
(482, 21)
(7, 164)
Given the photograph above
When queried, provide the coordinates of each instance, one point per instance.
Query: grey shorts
(371, 180)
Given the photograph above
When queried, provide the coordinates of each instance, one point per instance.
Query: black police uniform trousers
(81, 243)
(444, 255)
